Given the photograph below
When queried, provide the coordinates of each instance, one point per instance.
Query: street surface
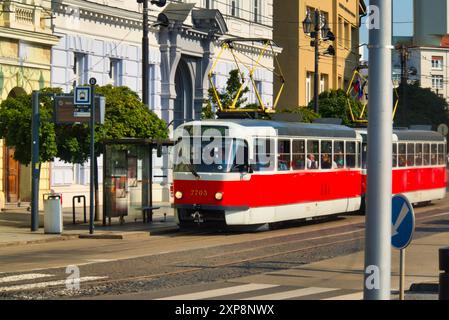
(309, 260)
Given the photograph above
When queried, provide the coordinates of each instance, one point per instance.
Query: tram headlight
(178, 195)
(219, 196)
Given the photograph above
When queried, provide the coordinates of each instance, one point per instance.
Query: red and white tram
(267, 171)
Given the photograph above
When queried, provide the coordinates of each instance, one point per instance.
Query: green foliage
(333, 104)
(126, 117)
(207, 111)
(307, 115)
(226, 97)
(421, 107)
(15, 127)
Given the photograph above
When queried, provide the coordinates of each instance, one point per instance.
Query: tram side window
(313, 154)
(351, 155)
(364, 155)
(426, 154)
(395, 155)
(402, 155)
(410, 154)
(284, 155)
(339, 154)
(419, 154)
(433, 158)
(264, 154)
(326, 155)
(299, 154)
(441, 154)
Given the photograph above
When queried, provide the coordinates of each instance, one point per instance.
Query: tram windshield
(211, 155)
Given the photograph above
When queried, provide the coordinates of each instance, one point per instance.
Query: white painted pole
(402, 275)
(377, 284)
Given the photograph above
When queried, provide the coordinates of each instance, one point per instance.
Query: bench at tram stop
(147, 213)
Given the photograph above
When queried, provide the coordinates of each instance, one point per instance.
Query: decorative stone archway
(186, 50)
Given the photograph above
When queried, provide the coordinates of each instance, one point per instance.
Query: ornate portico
(186, 58)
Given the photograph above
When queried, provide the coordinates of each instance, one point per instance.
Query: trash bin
(52, 214)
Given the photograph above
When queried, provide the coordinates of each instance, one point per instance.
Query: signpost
(403, 227)
(77, 108)
(92, 82)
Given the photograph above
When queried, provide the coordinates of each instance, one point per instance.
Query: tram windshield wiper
(193, 171)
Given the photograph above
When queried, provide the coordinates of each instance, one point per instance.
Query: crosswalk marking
(221, 292)
(40, 285)
(352, 296)
(291, 294)
(21, 277)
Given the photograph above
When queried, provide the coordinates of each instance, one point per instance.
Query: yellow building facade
(298, 57)
(26, 39)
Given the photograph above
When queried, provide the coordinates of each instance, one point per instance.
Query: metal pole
(402, 275)
(380, 129)
(317, 57)
(92, 157)
(145, 53)
(35, 167)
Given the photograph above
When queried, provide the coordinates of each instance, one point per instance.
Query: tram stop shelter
(128, 177)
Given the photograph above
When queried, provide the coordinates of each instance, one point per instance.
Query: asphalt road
(142, 269)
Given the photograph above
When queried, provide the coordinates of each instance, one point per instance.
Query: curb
(430, 288)
(130, 235)
(39, 241)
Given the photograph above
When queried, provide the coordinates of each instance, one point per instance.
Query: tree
(15, 127)
(126, 117)
(226, 97)
(424, 107)
(307, 114)
(333, 104)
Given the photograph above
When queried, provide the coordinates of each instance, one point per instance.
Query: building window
(209, 4)
(437, 63)
(324, 83)
(257, 11)
(152, 89)
(235, 6)
(259, 87)
(308, 87)
(340, 32)
(437, 82)
(115, 72)
(80, 68)
(347, 39)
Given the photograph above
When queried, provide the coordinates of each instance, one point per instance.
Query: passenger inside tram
(326, 161)
(339, 160)
(311, 162)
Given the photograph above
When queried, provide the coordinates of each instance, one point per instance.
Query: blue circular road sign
(403, 222)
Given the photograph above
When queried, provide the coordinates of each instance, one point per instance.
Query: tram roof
(297, 129)
(418, 135)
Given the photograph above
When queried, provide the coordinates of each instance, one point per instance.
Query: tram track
(341, 235)
(420, 218)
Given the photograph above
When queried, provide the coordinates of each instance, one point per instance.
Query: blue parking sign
(403, 222)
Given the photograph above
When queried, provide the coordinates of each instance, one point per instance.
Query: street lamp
(312, 28)
(146, 48)
(307, 24)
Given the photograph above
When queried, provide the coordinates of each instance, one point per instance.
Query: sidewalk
(346, 272)
(15, 227)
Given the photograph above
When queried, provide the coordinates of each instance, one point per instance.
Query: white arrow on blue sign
(403, 222)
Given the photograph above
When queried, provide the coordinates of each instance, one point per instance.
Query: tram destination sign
(66, 112)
